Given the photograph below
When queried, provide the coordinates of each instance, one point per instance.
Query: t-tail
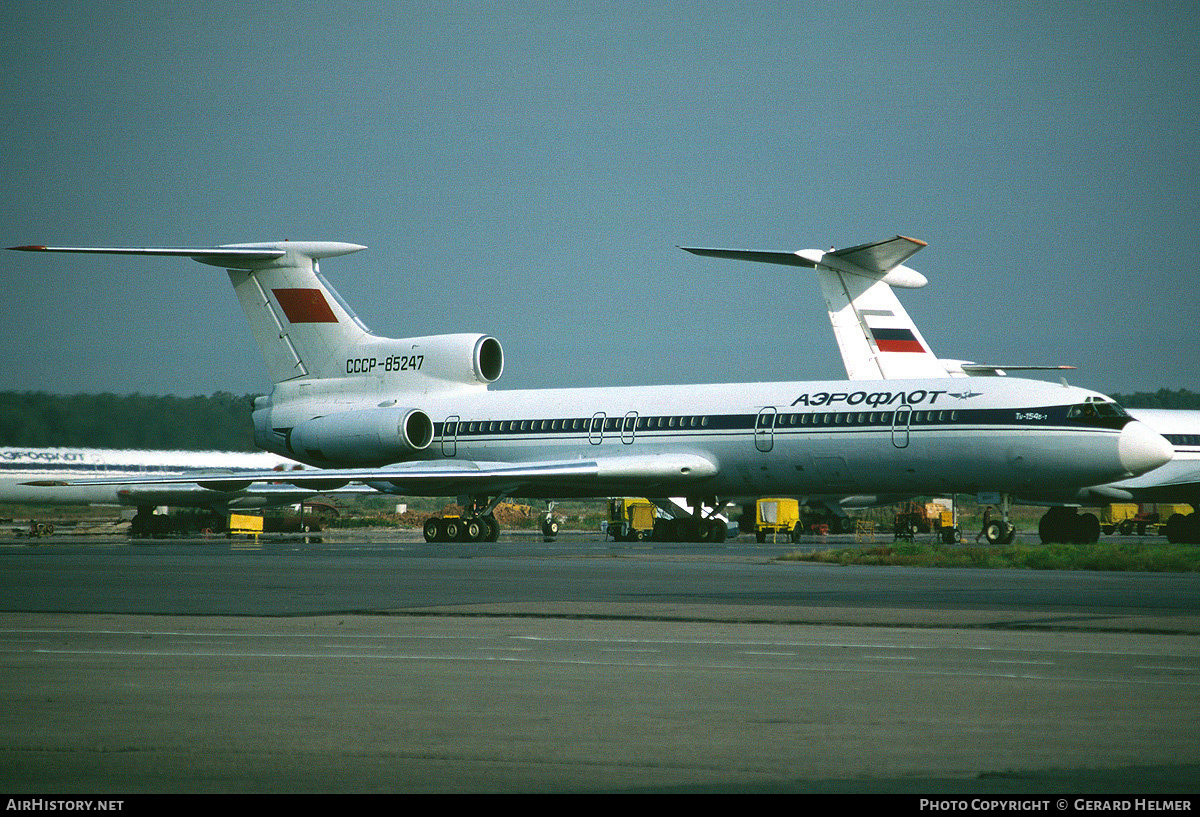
(340, 391)
(307, 332)
(877, 338)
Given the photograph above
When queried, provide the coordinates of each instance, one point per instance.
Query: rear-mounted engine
(362, 438)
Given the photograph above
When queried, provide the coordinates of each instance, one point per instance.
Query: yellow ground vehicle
(936, 516)
(631, 519)
(777, 516)
(1128, 518)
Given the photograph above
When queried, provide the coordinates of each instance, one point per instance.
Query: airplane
(59, 476)
(879, 340)
(416, 416)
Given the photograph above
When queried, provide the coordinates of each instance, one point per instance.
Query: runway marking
(941, 648)
(786, 654)
(675, 666)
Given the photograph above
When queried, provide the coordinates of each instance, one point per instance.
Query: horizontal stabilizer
(881, 256)
(229, 256)
(956, 367)
(879, 260)
(790, 259)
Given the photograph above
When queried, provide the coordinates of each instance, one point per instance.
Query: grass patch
(1127, 556)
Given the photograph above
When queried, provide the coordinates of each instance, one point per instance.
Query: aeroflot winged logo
(880, 398)
(304, 305)
(872, 399)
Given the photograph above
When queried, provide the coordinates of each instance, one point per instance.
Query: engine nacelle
(364, 437)
(466, 359)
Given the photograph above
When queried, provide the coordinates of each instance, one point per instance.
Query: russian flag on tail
(896, 340)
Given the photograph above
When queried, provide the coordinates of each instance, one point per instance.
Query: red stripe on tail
(304, 305)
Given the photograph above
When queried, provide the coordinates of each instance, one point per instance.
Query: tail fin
(302, 326)
(877, 338)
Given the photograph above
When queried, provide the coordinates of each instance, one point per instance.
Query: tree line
(1163, 398)
(222, 421)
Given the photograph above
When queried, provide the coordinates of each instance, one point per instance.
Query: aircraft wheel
(452, 529)
(472, 530)
(1189, 530)
(1089, 528)
(995, 533)
(1175, 528)
(1059, 525)
(549, 527)
(430, 529)
(720, 531)
(1046, 528)
(493, 529)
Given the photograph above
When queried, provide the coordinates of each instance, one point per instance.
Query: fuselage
(829, 438)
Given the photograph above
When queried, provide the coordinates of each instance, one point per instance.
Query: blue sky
(528, 170)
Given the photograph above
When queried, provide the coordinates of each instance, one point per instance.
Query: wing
(666, 473)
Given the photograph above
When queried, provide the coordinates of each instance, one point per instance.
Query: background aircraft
(415, 415)
(66, 476)
(878, 340)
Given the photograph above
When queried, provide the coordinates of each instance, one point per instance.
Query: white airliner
(415, 416)
(878, 340)
(67, 476)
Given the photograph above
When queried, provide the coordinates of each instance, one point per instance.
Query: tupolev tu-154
(418, 416)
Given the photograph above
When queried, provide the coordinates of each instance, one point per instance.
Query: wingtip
(29, 247)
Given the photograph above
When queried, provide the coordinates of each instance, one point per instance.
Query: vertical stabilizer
(301, 325)
(875, 335)
(877, 338)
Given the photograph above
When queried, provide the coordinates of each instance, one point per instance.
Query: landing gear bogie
(483, 528)
(1066, 526)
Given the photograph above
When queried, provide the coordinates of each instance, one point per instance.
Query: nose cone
(1141, 448)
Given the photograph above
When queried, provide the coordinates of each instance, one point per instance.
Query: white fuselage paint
(799, 438)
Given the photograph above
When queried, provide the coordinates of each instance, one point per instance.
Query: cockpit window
(1095, 409)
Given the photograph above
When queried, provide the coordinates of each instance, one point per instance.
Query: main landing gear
(477, 524)
(703, 524)
(1184, 528)
(1066, 526)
